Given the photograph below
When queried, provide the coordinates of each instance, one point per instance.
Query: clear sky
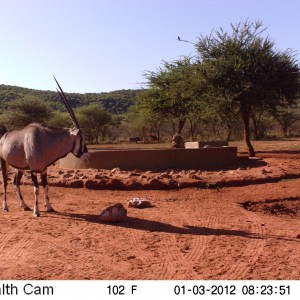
(106, 45)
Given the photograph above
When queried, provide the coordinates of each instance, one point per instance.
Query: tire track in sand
(255, 245)
(4, 238)
(178, 262)
(145, 252)
(25, 244)
(164, 269)
(201, 241)
(183, 260)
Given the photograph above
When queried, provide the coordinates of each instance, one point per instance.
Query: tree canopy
(26, 110)
(173, 90)
(93, 121)
(245, 69)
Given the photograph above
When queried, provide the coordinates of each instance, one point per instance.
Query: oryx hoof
(51, 210)
(5, 209)
(26, 208)
(36, 214)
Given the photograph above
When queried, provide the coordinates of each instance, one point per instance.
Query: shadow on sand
(156, 226)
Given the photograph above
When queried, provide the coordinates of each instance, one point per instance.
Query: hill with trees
(115, 102)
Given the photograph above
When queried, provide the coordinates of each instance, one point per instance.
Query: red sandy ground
(242, 222)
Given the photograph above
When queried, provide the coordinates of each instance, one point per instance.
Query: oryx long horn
(67, 105)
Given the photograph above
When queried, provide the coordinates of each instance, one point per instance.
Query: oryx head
(79, 147)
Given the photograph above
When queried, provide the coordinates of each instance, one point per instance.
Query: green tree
(24, 111)
(94, 122)
(61, 119)
(243, 69)
(286, 117)
(114, 131)
(173, 90)
(142, 122)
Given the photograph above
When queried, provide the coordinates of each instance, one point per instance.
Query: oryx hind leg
(48, 206)
(36, 210)
(17, 181)
(4, 183)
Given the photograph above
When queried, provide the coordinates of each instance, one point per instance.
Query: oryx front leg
(36, 210)
(4, 183)
(17, 180)
(48, 206)
(5, 207)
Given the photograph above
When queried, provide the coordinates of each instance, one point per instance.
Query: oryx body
(34, 148)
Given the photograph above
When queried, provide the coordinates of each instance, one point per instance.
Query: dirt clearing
(237, 231)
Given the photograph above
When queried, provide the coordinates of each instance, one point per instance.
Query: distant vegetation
(116, 102)
(125, 116)
(237, 85)
(100, 114)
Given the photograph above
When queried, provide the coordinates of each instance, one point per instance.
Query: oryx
(36, 147)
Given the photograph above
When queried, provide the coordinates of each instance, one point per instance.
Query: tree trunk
(193, 131)
(285, 129)
(255, 128)
(181, 125)
(228, 132)
(246, 119)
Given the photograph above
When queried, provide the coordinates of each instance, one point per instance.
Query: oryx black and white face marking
(80, 149)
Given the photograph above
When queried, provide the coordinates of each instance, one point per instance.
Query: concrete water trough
(155, 159)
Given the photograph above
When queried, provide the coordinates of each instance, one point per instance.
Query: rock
(134, 174)
(138, 203)
(69, 184)
(143, 176)
(68, 175)
(183, 173)
(176, 176)
(114, 214)
(49, 176)
(95, 184)
(132, 184)
(78, 172)
(164, 175)
(194, 176)
(191, 172)
(74, 184)
(115, 184)
(189, 183)
(154, 184)
(172, 184)
(70, 171)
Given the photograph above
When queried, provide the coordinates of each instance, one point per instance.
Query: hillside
(115, 102)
